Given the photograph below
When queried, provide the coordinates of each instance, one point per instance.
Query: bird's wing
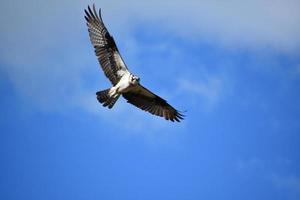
(105, 46)
(150, 102)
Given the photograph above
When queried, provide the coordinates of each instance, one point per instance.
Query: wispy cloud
(289, 182)
(207, 90)
(249, 164)
(256, 167)
(135, 122)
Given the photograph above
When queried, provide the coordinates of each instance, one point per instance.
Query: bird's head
(134, 79)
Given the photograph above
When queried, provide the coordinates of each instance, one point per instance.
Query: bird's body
(127, 83)
(123, 81)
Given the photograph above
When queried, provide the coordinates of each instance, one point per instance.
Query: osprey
(123, 81)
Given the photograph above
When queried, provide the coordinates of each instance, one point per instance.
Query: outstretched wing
(105, 46)
(148, 101)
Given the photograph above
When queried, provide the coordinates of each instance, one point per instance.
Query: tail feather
(104, 98)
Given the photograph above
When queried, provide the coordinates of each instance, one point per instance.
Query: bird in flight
(124, 82)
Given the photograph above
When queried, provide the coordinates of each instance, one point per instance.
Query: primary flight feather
(123, 81)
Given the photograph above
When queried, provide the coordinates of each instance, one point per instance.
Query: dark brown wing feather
(105, 46)
(148, 101)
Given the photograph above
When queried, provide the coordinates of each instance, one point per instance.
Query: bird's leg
(113, 92)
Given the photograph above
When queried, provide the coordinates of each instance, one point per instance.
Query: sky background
(233, 66)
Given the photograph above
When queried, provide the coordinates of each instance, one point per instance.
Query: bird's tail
(104, 98)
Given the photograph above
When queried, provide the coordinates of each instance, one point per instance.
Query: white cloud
(47, 56)
(251, 23)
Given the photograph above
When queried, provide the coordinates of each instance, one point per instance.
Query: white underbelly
(123, 85)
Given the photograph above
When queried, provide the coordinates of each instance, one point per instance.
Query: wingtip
(91, 12)
(179, 116)
(180, 113)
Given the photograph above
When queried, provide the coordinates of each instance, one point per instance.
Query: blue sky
(233, 66)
